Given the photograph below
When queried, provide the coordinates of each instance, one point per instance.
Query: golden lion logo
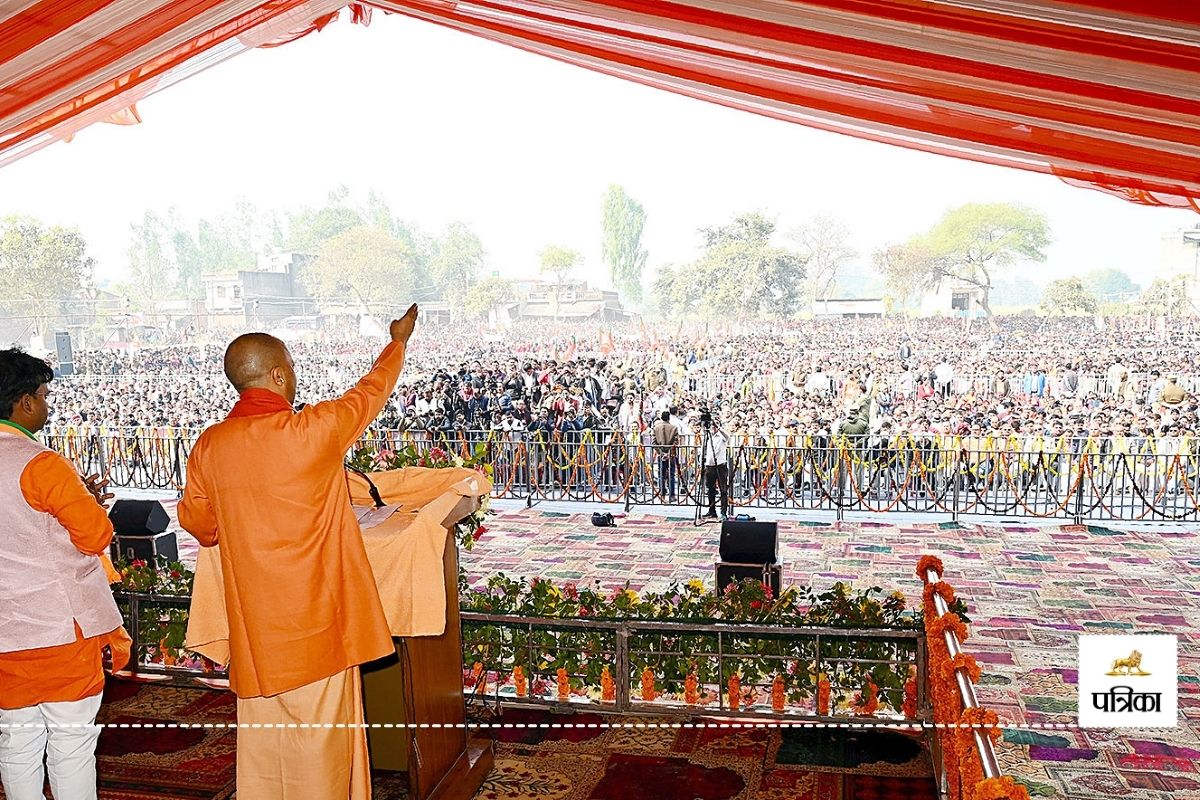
(1128, 666)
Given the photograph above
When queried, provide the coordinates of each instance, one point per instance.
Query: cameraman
(716, 463)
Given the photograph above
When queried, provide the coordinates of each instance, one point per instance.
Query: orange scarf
(256, 402)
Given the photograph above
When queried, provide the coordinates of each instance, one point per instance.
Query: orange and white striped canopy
(1104, 93)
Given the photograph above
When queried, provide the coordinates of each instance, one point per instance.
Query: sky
(449, 127)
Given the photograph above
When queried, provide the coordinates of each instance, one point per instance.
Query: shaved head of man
(260, 361)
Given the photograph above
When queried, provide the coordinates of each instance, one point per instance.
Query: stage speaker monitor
(66, 355)
(770, 574)
(748, 542)
(147, 548)
(138, 517)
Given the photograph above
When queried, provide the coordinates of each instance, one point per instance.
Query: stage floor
(1030, 589)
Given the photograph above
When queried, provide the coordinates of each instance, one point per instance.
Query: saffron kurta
(73, 671)
(269, 485)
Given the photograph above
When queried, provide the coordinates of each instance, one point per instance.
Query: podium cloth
(405, 554)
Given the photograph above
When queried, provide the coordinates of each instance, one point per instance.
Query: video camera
(706, 418)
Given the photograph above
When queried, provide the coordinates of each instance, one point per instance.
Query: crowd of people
(1017, 377)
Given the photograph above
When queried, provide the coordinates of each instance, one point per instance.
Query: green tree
(365, 265)
(486, 295)
(740, 273)
(41, 269)
(457, 262)
(309, 228)
(824, 243)
(1111, 285)
(559, 262)
(622, 222)
(975, 243)
(1068, 295)
(903, 269)
(227, 243)
(1165, 297)
(152, 269)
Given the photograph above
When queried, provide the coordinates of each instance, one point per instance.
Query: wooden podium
(422, 683)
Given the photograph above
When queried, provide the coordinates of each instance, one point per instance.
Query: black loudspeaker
(66, 356)
(138, 517)
(140, 527)
(147, 548)
(749, 542)
(770, 574)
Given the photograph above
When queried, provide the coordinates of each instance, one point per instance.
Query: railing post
(178, 465)
(100, 454)
(839, 494)
(1083, 458)
(624, 676)
(528, 471)
(135, 619)
(957, 476)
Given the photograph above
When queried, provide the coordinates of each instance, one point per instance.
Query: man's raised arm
(353, 412)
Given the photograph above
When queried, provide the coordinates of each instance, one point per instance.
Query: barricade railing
(649, 664)
(1052, 478)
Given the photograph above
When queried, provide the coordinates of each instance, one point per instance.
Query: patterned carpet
(532, 763)
(1030, 589)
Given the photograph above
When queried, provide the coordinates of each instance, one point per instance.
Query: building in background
(258, 298)
(849, 307)
(574, 301)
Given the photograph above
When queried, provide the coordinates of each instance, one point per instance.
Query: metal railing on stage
(710, 651)
(1071, 478)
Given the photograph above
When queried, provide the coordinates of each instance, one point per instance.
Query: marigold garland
(941, 589)
(1002, 788)
(691, 689)
(909, 709)
(868, 700)
(735, 692)
(648, 692)
(778, 694)
(948, 622)
(964, 662)
(926, 563)
(519, 682)
(608, 689)
(822, 695)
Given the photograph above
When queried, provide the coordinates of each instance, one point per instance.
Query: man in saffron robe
(268, 485)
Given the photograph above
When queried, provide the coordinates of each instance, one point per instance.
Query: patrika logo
(1128, 666)
(1117, 688)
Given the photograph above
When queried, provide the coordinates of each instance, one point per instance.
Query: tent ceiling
(1104, 93)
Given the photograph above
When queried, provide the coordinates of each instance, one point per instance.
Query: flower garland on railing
(746, 601)
(960, 754)
(761, 665)
(161, 630)
(469, 530)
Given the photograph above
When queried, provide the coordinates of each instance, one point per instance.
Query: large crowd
(766, 383)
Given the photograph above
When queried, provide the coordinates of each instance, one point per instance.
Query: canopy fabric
(1104, 93)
